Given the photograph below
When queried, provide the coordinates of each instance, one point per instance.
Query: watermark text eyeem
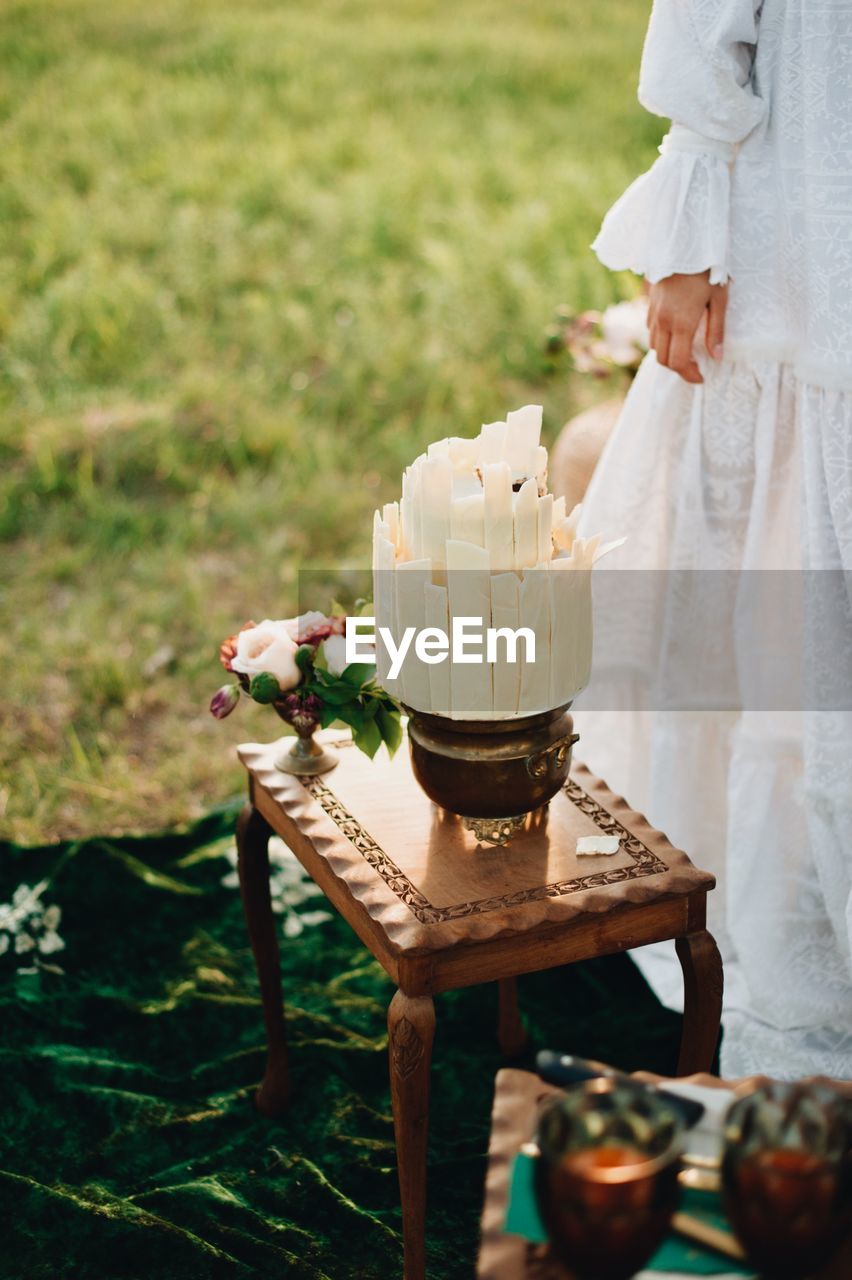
(469, 641)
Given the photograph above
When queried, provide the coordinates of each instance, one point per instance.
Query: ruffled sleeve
(696, 70)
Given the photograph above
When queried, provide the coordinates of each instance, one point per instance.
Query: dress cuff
(674, 218)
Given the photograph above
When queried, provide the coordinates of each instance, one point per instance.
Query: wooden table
(517, 1098)
(440, 911)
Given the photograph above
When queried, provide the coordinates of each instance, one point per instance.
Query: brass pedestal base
(495, 830)
(306, 758)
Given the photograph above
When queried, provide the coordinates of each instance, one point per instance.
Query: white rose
(334, 649)
(270, 647)
(624, 327)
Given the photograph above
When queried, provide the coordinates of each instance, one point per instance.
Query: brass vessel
(491, 772)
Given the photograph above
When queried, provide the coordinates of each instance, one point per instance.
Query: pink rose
(270, 646)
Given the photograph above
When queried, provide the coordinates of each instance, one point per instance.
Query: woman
(734, 452)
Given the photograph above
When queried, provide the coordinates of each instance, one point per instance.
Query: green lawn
(252, 258)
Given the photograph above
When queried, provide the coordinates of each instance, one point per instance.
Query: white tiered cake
(476, 535)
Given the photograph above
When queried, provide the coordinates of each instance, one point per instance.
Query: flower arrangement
(298, 667)
(600, 343)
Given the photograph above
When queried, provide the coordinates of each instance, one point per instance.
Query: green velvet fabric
(129, 1146)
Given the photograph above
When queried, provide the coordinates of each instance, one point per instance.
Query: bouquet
(598, 342)
(298, 667)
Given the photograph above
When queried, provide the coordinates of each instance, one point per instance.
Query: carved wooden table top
(427, 885)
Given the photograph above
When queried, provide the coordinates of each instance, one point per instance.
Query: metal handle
(554, 755)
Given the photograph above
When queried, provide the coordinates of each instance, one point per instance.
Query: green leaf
(390, 727)
(264, 688)
(358, 673)
(368, 738)
(328, 714)
(353, 715)
(338, 696)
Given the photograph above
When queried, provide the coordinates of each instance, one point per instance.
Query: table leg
(253, 832)
(702, 1005)
(511, 1032)
(411, 1029)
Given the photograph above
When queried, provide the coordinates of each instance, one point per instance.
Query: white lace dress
(750, 471)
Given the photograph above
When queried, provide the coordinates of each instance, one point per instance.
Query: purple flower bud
(224, 700)
(311, 705)
(290, 705)
(302, 711)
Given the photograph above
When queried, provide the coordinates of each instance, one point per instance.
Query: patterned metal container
(492, 772)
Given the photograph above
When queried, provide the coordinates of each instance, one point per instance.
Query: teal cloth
(676, 1252)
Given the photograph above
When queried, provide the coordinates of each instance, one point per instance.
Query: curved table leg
(411, 1029)
(253, 832)
(702, 1006)
(511, 1032)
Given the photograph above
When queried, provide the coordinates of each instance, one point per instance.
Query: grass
(252, 258)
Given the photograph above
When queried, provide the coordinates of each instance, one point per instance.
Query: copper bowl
(491, 772)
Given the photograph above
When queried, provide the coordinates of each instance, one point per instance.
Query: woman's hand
(675, 309)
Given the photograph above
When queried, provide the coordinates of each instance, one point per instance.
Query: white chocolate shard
(492, 443)
(437, 491)
(523, 432)
(466, 556)
(499, 521)
(606, 845)
(408, 512)
(506, 679)
(545, 528)
(565, 531)
(384, 602)
(467, 520)
(469, 596)
(526, 525)
(381, 533)
(437, 615)
(411, 582)
(539, 468)
(463, 453)
(390, 516)
(583, 551)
